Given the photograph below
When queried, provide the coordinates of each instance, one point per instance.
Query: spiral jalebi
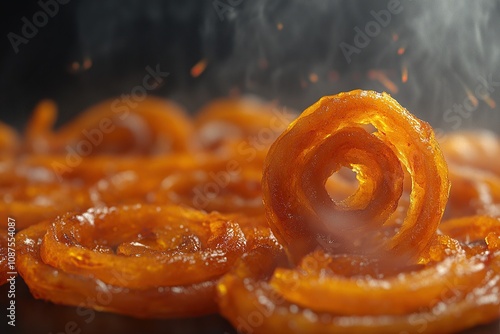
(353, 267)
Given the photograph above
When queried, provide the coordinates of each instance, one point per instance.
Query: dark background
(448, 45)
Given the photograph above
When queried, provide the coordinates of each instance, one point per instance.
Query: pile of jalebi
(474, 172)
(139, 209)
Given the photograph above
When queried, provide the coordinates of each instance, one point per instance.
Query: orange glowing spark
(395, 36)
(404, 73)
(401, 51)
(381, 77)
(75, 66)
(489, 101)
(279, 26)
(199, 68)
(87, 63)
(471, 97)
(313, 77)
(333, 75)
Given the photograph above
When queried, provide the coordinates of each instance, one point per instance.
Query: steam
(454, 46)
(271, 48)
(287, 50)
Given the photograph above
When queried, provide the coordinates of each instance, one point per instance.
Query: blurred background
(440, 59)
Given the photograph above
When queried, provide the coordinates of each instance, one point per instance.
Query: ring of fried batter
(133, 255)
(300, 161)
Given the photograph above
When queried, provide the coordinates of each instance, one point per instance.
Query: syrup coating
(354, 264)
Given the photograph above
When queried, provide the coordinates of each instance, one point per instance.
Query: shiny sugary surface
(327, 136)
(166, 216)
(108, 204)
(374, 262)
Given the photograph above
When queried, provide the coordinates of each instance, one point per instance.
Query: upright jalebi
(357, 269)
(329, 135)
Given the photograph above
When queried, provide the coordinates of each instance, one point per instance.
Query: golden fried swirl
(329, 135)
(149, 126)
(238, 124)
(50, 283)
(112, 202)
(223, 185)
(158, 261)
(325, 289)
(474, 173)
(152, 246)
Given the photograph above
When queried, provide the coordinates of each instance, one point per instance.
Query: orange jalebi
(253, 305)
(69, 170)
(238, 125)
(474, 173)
(148, 126)
(327, 136)
(167, 253)
(224, 185)
(60, 170)
(358, 269)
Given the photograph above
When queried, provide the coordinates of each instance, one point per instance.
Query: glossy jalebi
(358, 268)
(474, 173)
(445, 303)
(240, 126)
(474, 229)
(167, 253)
(477, 149)
(148, 126)
(224, 185)
(49, 283)
(328, 136)
(29, 203)
(60, 171)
